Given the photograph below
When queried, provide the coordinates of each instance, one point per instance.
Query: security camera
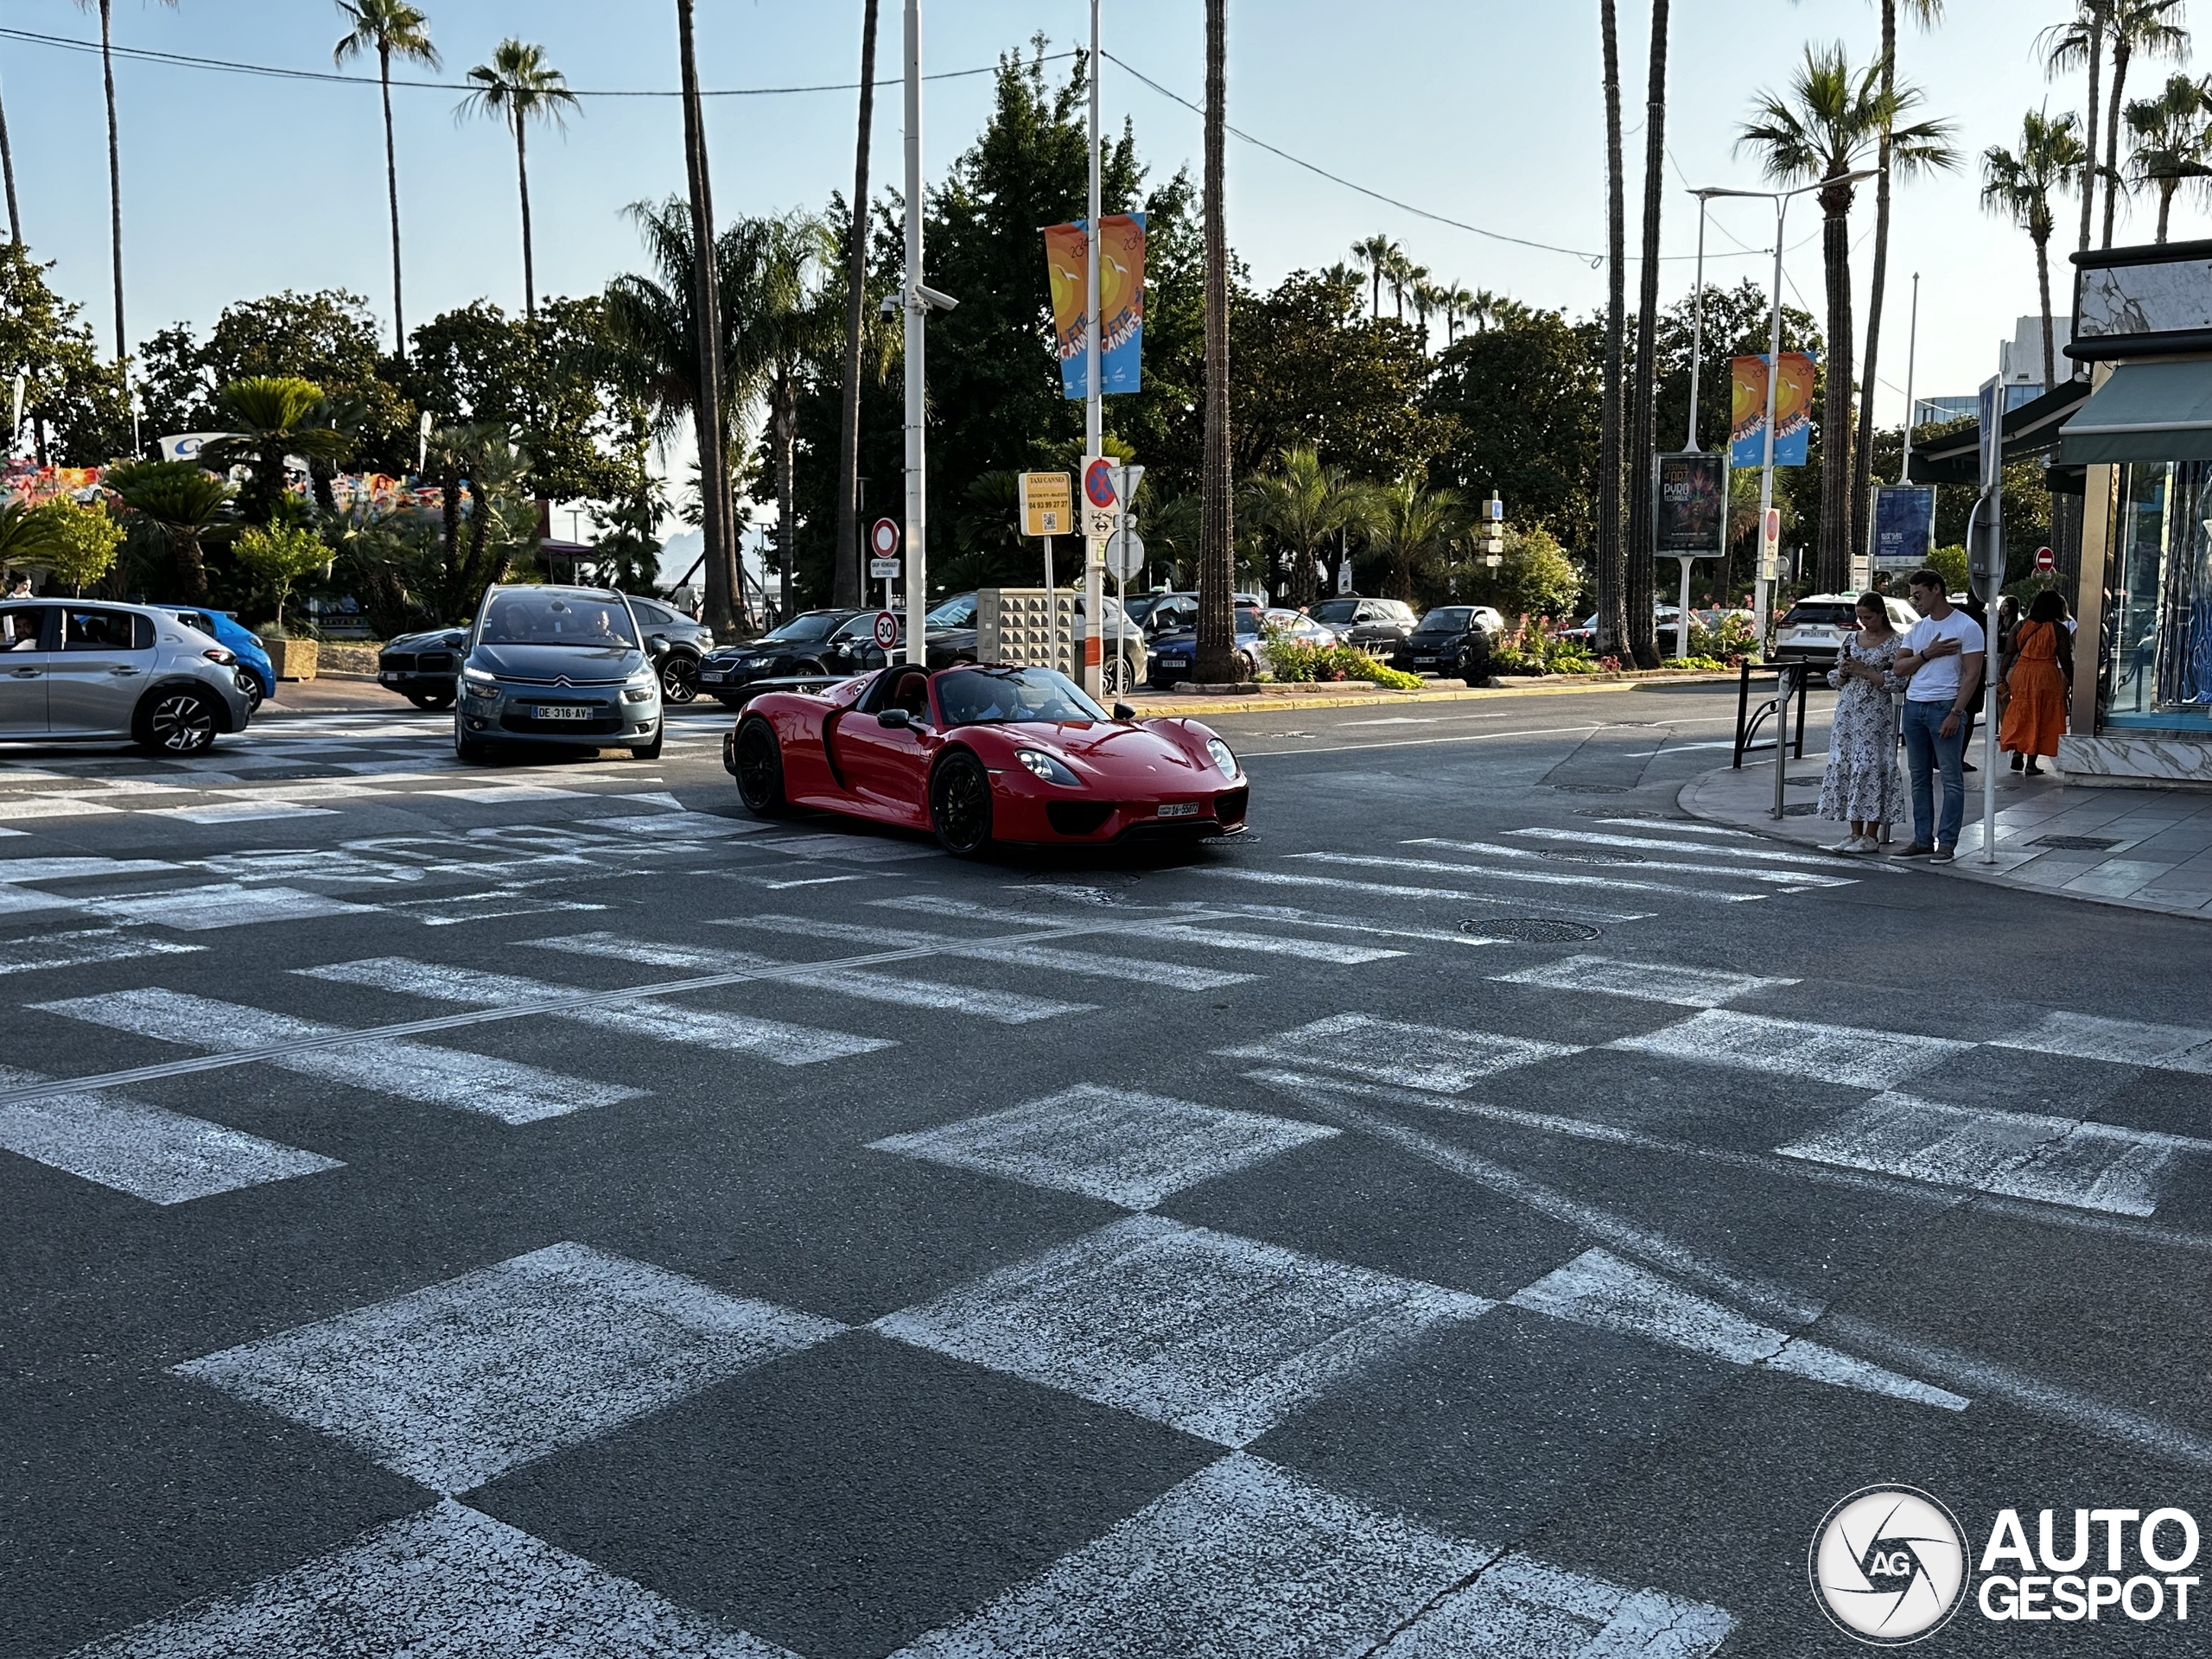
(933, 299)
(889, 308)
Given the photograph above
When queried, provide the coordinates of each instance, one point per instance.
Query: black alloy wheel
(960, 804)
(679, 678)
(760, 769)
(178, 723)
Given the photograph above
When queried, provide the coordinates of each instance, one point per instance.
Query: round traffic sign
(883, 536)
(2046, 561)
(1098, 483)
(887, 629)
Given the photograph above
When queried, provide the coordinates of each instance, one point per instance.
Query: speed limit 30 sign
(887, 629)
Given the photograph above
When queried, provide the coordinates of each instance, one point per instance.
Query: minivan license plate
(562, 711)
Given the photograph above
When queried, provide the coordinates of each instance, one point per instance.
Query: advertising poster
(1904, 526)
(1691, 518)
(1793, 410)
(1121, 275)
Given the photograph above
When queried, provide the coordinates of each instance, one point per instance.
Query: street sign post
(883, 538)
(887, 629)
(2046, 562)
(1047, 504)
(1102, 502)
(884, 569)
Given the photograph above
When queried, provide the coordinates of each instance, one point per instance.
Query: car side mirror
(898, 719)
(657, 647)
(1123, 711)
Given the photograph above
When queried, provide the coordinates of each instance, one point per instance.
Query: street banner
(1793, 410)
(1121, 329)
(1691, 520)
(1904, 526)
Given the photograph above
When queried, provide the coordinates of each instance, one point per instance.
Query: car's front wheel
(250, 683)
(469, 751)
(758, 765)
(960, 805)
(177, 722)
(679, 678)
(1116, 676)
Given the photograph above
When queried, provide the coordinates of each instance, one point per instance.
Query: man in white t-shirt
(1940, 664)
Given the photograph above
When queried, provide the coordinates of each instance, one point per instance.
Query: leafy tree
(2019, 184)
(271, 418)
(2150, 29)
(1521, 403)
(1408, 525)
(77, 406)
(787, 319)
(1303, 505)
(1534, 576)
(188, 503)
(279, 555)
(2173, 141)
(27, 534)
(391, 28)
(516, 87)
(80, 542)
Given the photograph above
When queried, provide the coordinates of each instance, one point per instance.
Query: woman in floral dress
(1863, 786)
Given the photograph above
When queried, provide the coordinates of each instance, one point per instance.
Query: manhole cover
(1590, 858)
(1592, 789)
(2076, 844)
(1529, 930)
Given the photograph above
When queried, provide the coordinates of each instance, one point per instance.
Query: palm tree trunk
(2166, 188)
(2099, 11)
(1217, 659)
(1862, 453)
(522, 177)
(1642, 641)
(1612, 623)
(1375, 308)
(2042, 286)
(2120, 54)
(391, 190)
(722, 572)
(1834, 557)
(114, 180)
(786, 419)
(8, 168)
(191, 568)
(846, 582)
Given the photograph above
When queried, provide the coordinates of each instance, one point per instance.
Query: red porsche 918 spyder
(981, 754)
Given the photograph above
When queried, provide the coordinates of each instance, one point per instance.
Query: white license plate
(710, 675)
(563, 711)
(390, 674)
(1423, 661)
(1178, 810)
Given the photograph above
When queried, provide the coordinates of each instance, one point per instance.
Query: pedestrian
(1942, 665)
(2037, 677)
(19, 586)
(1862, 786)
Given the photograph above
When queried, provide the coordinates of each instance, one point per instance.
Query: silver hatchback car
(559, 665)
(85, 671)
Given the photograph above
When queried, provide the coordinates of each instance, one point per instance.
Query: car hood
(428, 640)
(583, 664)
(1166, 754)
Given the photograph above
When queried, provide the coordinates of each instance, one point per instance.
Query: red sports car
(981, 754)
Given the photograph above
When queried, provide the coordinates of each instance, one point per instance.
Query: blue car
(256, 674)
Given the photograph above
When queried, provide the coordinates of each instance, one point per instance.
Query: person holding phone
(1861, 785)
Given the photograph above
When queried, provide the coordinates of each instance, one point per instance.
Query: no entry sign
(883, 536)
(2046, 561)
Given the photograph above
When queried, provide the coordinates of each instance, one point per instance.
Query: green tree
(516, 87)
(2081, 39)
(271, 417)
(1378, 255)
(279, 555)
(391, 28)
(1534, 576)
(1408, 524)
(2148, 29)
(27, 534)
(1519, 405)
(787, 319)
(1303, 505)
(76, 403)
(2172, 135)
(80, 542)
(2019, 184)
(189, 505)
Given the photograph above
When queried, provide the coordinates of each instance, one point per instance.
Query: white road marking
(1169, 928)
(1776, 878)
(460, 1382)
(78, 870)
(1599, 1288)
(507, 794)
(22, 901)
(812, 882)
(2123, 1042)
(455, 910)
(1680, 827)
(1344, 924)
(1587, 838)
(1124, 1147)
(1522, 1608)
(2023, 1155)
(860, 850)
(314, 789)
(505, 1090)
(40, 951)
(225, 904)
(1394, 890)
(446, 1582)
(653, 953)
(1128, 969)
(1839, 1054)
(1416, 742)
(148, 1152)
(1536, 878)
(49, 806)
(239, 811)
(661, 1020)
(1428, 1057)
(1692, 987)
(1007, 1007)
(684, 826)
(1219, 1336)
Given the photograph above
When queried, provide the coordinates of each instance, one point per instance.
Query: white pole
(1094, 590)
(1996, 486)
(917, 327)
(1697, 324)
(1682, 616)
(1052, 612)
(1773, 386)
(1911, 352)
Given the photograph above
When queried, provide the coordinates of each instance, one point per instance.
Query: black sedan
(424, 668)
(1450, 640)
(689, 642)
(799, 646)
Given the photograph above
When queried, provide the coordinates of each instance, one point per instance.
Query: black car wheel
(250, 683)
(177, 722)
(960, 804)
(760, 769)
(650, 751)
(809, 668)
(434, 701)
(679, 678)
(469, 751)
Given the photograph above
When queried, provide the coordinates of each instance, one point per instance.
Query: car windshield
(1335, 610)
(804, 630)
(862, 627)
(521, 618)
(1447, 619)
(1829, 616)
(953, 613)
(991, 697)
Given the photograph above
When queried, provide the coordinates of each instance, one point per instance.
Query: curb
(1260, 704)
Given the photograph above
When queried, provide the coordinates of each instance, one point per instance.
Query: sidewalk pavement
(2141, 849)
(1357, 695)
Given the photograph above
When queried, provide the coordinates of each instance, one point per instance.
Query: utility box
(1019, 625)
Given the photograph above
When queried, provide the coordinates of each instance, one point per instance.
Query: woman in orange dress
(2036, 684)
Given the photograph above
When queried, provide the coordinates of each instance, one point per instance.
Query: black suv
(423, 668)
(798, 646)
(689, 642)
(1377, 626)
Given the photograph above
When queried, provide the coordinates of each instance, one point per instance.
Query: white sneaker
(1848, 844)
(1868, 844)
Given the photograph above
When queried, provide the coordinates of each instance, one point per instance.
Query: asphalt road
(541, 1210)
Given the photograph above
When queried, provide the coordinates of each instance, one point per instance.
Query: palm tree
(1303, 505)
(2082, 39)
(189, 503)
(1823, 131)
(7, 169)
(1402, 274)
(1407, 523)
(1642, 641)
(2173, 141)
(786, 320)
(711, 403)
(269, 417)
(114, 165)
(1428, 300)
(1459, 303)
(1612, 612)
(1379, 254)
(2150, 28)
(516, 87)
(391, 28)
(2051, 158)
(846, 585)
(27, 533)
(1218, 660)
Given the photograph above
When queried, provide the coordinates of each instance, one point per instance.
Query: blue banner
(1904, 526)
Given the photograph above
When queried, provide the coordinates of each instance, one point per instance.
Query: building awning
(2146, 411)
(1955, 457)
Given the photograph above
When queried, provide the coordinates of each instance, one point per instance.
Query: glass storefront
(2158, 644)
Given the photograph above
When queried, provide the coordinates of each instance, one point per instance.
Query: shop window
(2158, 644)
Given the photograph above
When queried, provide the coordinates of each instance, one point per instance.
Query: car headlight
(1224, 757)
(1046, 768)
(480, 682)
(641, 687)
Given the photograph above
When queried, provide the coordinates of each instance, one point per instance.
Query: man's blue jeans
(1926, 749)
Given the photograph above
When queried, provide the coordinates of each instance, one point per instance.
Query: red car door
(886, 767)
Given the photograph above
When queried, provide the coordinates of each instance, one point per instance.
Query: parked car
(74, 671)
(793, 647)
(689, 642)
(1813, 629)
(1442, 641)
(558, 665)
(256, 674)
(1171, 613)
(1377, 626)
(1296, 624)
(1663, 619)
(1174, 655)
(423, 668)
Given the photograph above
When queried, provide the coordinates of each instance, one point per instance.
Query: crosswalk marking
(1599, 1288)
(1654, 843)
(50, 806)
(775, 1040)
(2123, 1042)
(1695, 988)
(2020, 1154)
(1839, 1054)
(1212, 935)
(1120, 1144)
(81, 947)
(1413, 1057)
(1777, 878)
(1130, 969)
(149, 1152)
(1219, 1336)
(460, 1382)
(505, 1090)
(1522, 1608)
(1533, 878)
(224, 904)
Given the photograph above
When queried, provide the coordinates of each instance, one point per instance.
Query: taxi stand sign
(1047, 504)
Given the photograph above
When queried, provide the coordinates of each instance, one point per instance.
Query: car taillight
(216, 654)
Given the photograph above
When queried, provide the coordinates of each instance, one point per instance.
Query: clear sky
(1487, 112)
